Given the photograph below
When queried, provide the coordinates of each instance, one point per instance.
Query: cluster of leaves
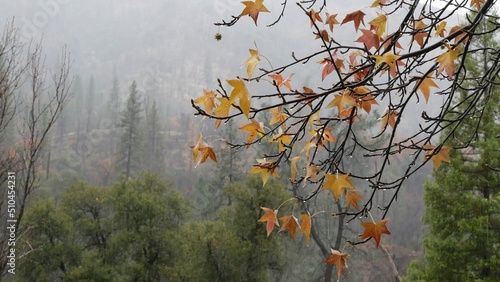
(391, 67)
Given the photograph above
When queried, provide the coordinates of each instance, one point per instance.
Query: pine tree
(463, 203)
(129, 155)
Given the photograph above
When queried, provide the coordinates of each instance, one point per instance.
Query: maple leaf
(425, 84)
(240, 91)
(280, 81)
(315, 16)
(265, 168)
(337, 183)
(208, 100)
(290, 223)
(307, 92)
(252, 61)
(370, 39)
(388, 40)
(341, 101)
(387, 58)
(254, 128)
(331, 20)
(364, 100)
(375, 230)
(339, 260)
(357, 17)
(349, 114)
(462, 34)
(270, 216)
(329, 67)
(477, 3)
(324, 35)
(352, 198)
(253, 9)
(282, 139)
(379, 24)
(278, 117)
(305, 227)
(388, 117)
(321, 135)
(205, 150)
(293, 167)
(440, 28)
(312, 172)
(222, 110)
(437, 157)
(447, 61)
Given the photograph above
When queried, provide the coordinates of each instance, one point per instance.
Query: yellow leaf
(312, 172)
(253, 9)
(208, 100)
(379, 24)
(293, 167)
(254, 128)
(265, 168)
(387, 58)
(252, 61)
(341, 101)
(240, 91)
(440, 28)
(222, 110)
(337, 183)
(282, 139)
(437, 157)
(278, 117)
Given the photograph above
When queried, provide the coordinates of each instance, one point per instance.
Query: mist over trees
(140, 135)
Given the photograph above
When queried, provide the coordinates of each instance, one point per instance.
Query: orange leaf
(280, 81)
(315, 17)
(270, 217)
(341, 101)
(320, 136)
(253, 9)
(240, 91)
(375, 230)
(208, 100)
(339, 260)
(447, 61)
(254, 128)
(290, 223)
(324, 35)
(337, 183)
(370, 39)
(352, 198)
(425, 85)
(477, 3)
(307, 92)
(357, 17)
(306, 226)
(437, 157)
(329, 67)
(252, 61)
(331, 20)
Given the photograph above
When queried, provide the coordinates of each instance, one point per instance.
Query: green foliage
(235, 246)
